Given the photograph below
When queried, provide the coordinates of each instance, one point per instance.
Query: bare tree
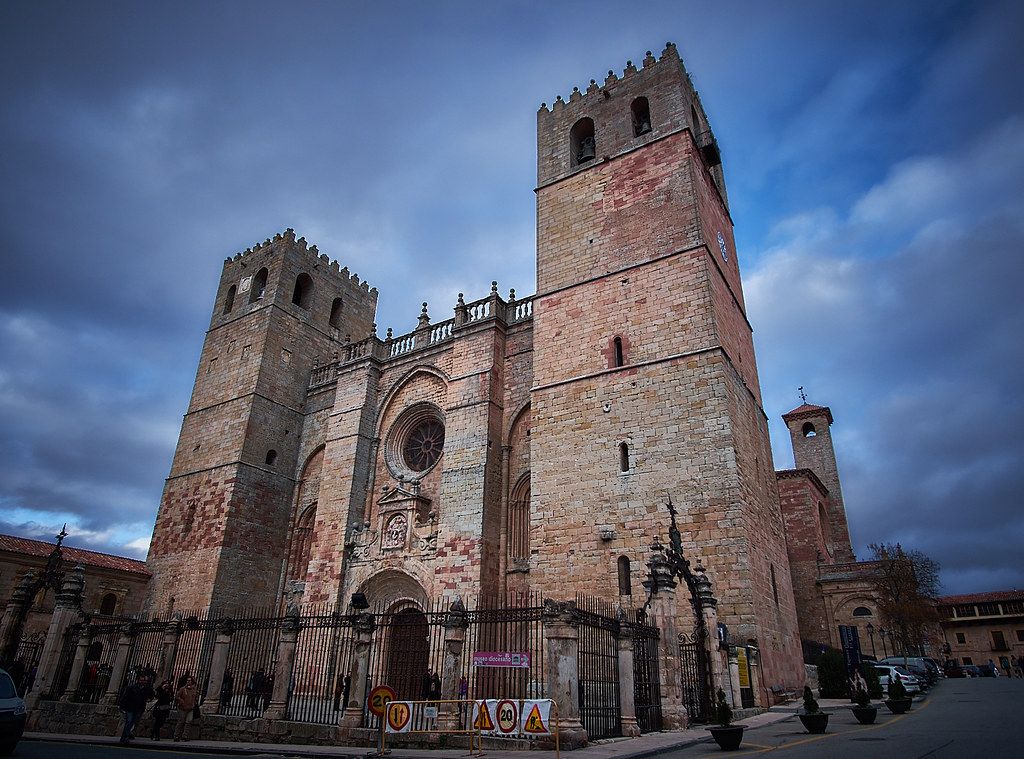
(906, 584)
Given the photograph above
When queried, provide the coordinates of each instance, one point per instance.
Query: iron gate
(598, 665)
(646, 677)
(693, 670)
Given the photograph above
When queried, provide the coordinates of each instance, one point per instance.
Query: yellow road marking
(815, 738)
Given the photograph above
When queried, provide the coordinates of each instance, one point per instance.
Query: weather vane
(803, 395)
(62, 534)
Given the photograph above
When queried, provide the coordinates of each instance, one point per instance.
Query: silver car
(887, 671)
(12, 715)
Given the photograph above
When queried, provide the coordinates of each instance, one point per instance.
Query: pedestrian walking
(132, 704)
(425, 686)
(162, 707)
(185, 701)
(435, 686)
(227, 687)
(463, 697)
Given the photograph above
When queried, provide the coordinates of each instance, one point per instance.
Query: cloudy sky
(874, 154)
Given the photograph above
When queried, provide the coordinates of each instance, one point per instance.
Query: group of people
(184, 696)
(259, 690)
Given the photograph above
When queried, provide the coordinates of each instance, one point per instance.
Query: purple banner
(515, 659)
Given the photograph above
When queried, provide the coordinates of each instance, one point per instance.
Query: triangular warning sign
(534, 722)
(483, 721)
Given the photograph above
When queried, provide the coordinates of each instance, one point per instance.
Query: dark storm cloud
(869, 150)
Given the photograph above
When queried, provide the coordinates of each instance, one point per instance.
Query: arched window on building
(259, 285)
(302, 295)
(625, 579)
(229, 300)
(336, 308)
(808, 430)
(641, 111)
(582, 143)
(519, 522)
(620, 358)
(862, 611)
(271, 457)
(302, 544)
(108, 604)
(623, 457)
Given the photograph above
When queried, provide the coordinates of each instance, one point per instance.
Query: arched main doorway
(407, 653)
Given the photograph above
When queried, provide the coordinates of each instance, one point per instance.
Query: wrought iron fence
(321, 677)
(252, 653)
(598, 664)
(646, 676)
(694, 675)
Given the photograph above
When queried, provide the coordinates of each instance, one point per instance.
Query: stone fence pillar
(709, 612)
(627, 695)
(662, 586)
(14, 614)
(278, 708)
(733, 691)
(455, 626)
(78, 664)
(124, 647)
(352, 713)
(561, 663)
(67, 611)
(169, 650)
(218, 666)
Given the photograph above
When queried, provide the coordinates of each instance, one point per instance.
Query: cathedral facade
(514, 443)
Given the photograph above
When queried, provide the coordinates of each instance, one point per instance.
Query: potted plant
(899, 700)
(814, 719)
(864, 711)
(726, 735)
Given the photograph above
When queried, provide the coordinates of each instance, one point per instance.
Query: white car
(885, 671)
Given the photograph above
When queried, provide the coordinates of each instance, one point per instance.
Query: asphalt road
(960, 719)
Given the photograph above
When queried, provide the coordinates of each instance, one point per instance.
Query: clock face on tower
(721, 244)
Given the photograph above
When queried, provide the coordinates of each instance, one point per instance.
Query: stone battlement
(288, 238)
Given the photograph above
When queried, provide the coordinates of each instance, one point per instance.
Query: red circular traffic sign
(379, 698)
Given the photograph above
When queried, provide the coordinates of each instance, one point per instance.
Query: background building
(978, 627)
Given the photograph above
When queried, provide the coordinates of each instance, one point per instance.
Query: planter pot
(865, 714)
(727, 738)
(899, 705)
(816, 722)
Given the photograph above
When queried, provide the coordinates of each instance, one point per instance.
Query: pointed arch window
(519, 523)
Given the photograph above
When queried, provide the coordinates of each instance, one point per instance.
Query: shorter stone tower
(282, 310)
(810, 431)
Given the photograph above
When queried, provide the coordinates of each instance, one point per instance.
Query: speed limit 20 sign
(379, 699)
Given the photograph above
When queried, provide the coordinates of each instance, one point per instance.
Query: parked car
(916, 666)
(939, 669)
(12, 714)
(886, 671)
(952, 669)
(971, 670)
(988, 670)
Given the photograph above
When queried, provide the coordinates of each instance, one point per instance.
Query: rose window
(423, 445)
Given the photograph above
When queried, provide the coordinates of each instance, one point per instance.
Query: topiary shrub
(896, 689)
(722, 712)
(832, 677)
(810, 705)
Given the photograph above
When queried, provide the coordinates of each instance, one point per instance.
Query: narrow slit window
(775, 586)
(617, 346)
(625, 580)
(271, 457)
(229, 300)
(623, 457)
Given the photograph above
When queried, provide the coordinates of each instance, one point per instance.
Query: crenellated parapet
(288, 239)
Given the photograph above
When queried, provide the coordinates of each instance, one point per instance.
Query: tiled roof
(975, 598)
(808, 409)
(31, 547)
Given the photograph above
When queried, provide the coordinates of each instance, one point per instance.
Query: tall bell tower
(645, 382)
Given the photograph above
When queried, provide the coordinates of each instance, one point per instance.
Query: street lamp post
(881, 633)
(871, 636)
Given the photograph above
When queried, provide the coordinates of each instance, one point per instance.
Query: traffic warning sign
(379, 698)
(536, 717)
(398, 717)
(507, 713)
(482, 720)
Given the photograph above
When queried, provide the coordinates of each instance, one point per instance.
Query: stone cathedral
(512, 443)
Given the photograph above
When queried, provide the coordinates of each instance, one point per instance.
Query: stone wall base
(70, 718)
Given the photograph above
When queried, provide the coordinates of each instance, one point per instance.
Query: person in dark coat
(133, 704)
(227, 689)
(435, 686)
(162, 707)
